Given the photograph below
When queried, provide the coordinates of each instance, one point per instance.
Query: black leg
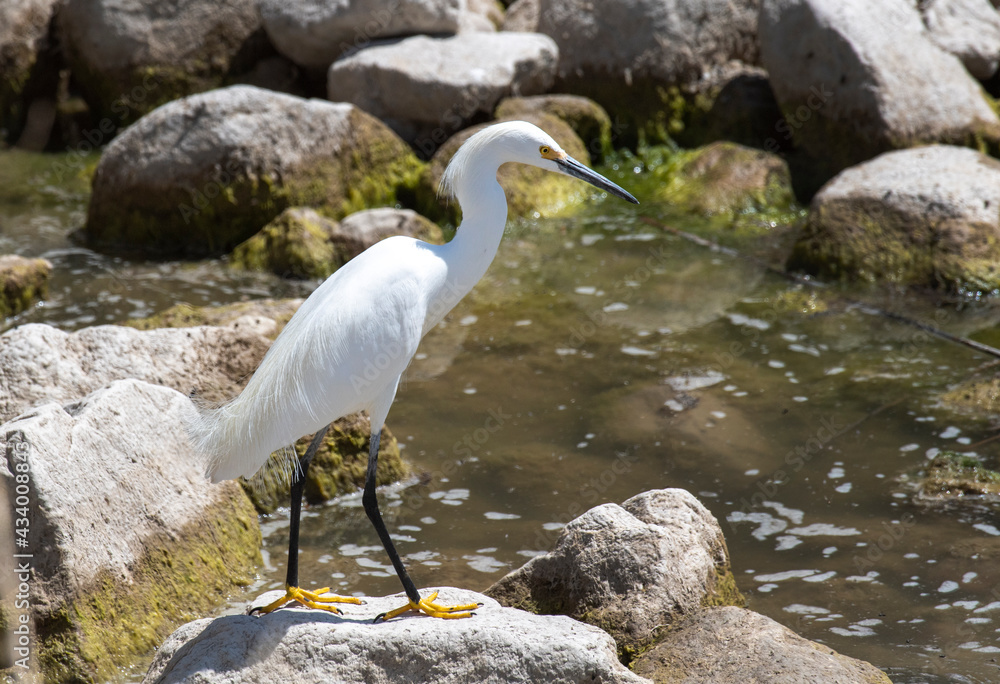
(370, 502)
(292, 576)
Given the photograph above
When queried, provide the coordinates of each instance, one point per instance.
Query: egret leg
(370, 502)
(312, 599)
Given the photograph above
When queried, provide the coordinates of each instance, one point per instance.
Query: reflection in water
(601, 358)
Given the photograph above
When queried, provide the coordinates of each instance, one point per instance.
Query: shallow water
(602, 357)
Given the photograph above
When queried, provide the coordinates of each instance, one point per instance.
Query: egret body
(347, 346)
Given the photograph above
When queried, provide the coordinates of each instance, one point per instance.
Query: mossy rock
(112, 625)
(187, 316)
(531, 192)
(726, 178)
(587, 118)
(22, 283)
(955, 476)
(338, 467)
(185, 180)
(296, 244)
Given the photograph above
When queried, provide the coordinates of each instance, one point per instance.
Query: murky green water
(602, 357)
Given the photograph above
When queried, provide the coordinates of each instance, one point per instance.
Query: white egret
(346, 347)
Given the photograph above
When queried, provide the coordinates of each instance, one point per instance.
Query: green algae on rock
(951, 475)
(199, 175)
(187, 316)
(22, 283)
(296, 244)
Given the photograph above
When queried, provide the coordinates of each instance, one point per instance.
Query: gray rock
(587, 118)
(363, 229)
(926, 216)
(39, 363)
(732, 646)
(126, 535)
(313, 33)
(497, 645)
(22, 283)
(631, 569)
(201, 174)
(855, 79)
(24, 27)
(428, 88)
(968, 29)
(128, 56)
(522, 15)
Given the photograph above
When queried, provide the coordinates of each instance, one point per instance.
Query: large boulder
(631, 569)
(968, 29)
(426, 88)
(124, 535)
(587, 118)
(200, 175)
(856, 78)
(729, 645)
(22, 283)
(925, 216)
(24, 28)
(629, 55)
(531, 191)
(297, 646)
(128, 56)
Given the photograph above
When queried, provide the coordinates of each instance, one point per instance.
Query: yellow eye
(545, 150)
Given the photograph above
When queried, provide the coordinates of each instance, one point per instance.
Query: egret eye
(545, 150)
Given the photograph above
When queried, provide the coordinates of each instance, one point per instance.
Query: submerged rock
(22, 283)
(530, 191)
(587, 118)
(856, 79)
(129, 56)
(200, 175)
(631, 569)
(127, 537)
(426, 88)
(729, 645)
(951, 475)
(293, 645)
(301, 243)
(926, 216)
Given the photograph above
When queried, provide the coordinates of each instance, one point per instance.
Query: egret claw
(310, 599)
(429, 607)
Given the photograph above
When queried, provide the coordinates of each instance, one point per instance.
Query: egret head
(520, 141)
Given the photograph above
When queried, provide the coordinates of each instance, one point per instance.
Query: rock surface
(24, 27)
(128, 56)
(200, 175)
(530, 191)
(631, 569)
(587, 118)
(968, 29)
(22, 283)
(128, 538)
(426, 89)
(497, 645)
(855, 79)
(731, 644)
(313, 33)
(363, 229)
(926, 216)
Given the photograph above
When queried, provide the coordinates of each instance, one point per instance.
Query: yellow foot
(428, 607)
(310, 599)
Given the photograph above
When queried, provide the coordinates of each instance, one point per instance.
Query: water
(604, 356)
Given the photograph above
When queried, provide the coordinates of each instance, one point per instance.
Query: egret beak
(572, 167)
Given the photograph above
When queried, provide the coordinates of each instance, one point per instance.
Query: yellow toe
(429, 607)
(310, 599)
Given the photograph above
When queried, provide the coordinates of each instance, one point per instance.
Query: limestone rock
(128, 56)
(425, 88)
(522, 15)
(855, 79)
(187, 316)
(296, 244)
(631, 569)
(497, 645)
(968, 29)
(22, 283)
(926, 216)
(587, 118)
(128, 538)
(360, 231)
(530, 191)
(731, 645)
(43, 364)
(200, 175)
(24, 27)
(313, 33)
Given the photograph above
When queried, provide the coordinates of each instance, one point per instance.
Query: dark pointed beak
(572, 167)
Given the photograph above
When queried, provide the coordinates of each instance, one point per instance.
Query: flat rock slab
(735, 646)
(299, 646)
(426, 89)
